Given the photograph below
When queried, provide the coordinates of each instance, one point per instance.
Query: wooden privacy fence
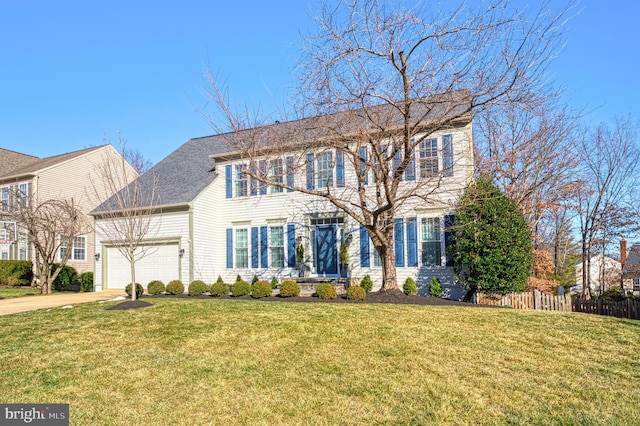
(532, 300)
(625, 309)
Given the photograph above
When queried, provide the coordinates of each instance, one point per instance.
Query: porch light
(181, 253)
(97, 256)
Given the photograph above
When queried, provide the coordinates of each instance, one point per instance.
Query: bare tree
(608, 157)
(126, 219)
(380, 80)
(51, 226)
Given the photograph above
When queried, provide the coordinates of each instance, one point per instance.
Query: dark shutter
(449, 220)
(365, 259)
(264, 247)
(310, 172)
(229, 248)
(339, 169)
(255, 248)
(412, 242)
(228, 181)
(447, 156)
(362, 165)
(253, 186)
(398, 238)
(289, 165)
(262, 169)
(291, 245)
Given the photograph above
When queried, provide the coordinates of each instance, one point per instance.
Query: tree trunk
(132, 263)
(586, 275)
(389, 276)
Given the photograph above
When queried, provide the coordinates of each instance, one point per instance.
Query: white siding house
(230, 224)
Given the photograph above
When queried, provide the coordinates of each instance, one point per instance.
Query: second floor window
(276, 172)
(428, 158)
(5, 198)
(241, 182)
(325, 169)
(23, 195)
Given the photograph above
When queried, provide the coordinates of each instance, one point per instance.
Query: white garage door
(160, 264)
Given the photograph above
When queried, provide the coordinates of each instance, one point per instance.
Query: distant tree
(491, 244)
(608, 163)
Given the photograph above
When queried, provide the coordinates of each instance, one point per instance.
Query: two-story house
(28, 180)
(216, 219)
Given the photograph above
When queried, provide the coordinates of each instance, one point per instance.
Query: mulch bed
(388, 297)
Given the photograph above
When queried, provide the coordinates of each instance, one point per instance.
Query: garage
(161, 263)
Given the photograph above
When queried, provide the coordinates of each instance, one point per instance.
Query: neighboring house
(604, 274)
(216, 221)
(631, 271)
(62, 176)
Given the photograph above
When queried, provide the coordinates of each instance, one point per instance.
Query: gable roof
(10, 161)
(188, 170)
(40, 164)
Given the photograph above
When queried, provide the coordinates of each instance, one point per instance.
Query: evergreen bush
(326, 291)
(435, 287)
(366, 283)
(197, 287)
(175, 287)
(261, 289)
(289, 288)
(155, 287)
(274, 283)
(139, 290)
(219, 288)
(86, 281)
(241, 288)
(409, 288)
(16, 272)
(65, 278)
(356, 293)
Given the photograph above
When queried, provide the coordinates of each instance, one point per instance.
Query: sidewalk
(33, 303)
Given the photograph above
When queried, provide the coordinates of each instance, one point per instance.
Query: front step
(308, 285)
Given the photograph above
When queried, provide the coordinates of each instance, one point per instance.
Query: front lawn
(11, 292)
(249, 362)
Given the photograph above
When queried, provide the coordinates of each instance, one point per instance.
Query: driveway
(33, 303)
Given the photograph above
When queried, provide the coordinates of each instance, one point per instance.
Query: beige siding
(205, 244)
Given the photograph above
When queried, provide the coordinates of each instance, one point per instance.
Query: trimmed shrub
(86, 281)
(356, 293)
(219, 288)
(366, 283)
(289, 288)
(65, 278)
(261, 289)
(274, 283)
(197, 287)
(255, 279)
(435, 288)
(326, 291)
(220, 280)
(238, 278)
(16, 272)
(410, 288)
(139, 290)
(155, 287)
(240, 288)
(175, 287)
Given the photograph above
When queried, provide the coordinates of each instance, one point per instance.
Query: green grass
(12, 292)
(199, 361)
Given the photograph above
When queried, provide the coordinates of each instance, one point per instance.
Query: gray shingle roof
(188, 170)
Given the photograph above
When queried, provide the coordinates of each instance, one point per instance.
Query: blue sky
(75, 72)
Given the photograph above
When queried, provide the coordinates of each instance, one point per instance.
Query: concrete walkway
(33, 303)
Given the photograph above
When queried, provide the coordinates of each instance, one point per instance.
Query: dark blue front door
(326, 249)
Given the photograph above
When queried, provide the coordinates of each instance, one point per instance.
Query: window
(431, 247)
(242, 248)
(377, 262)
(636, 284)
(325, 169)
(78, 251)
(241, 181)
(276, 246)
(22, 247)
(428, 158)
(276, 171)
(5, 198)
(23, 195)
